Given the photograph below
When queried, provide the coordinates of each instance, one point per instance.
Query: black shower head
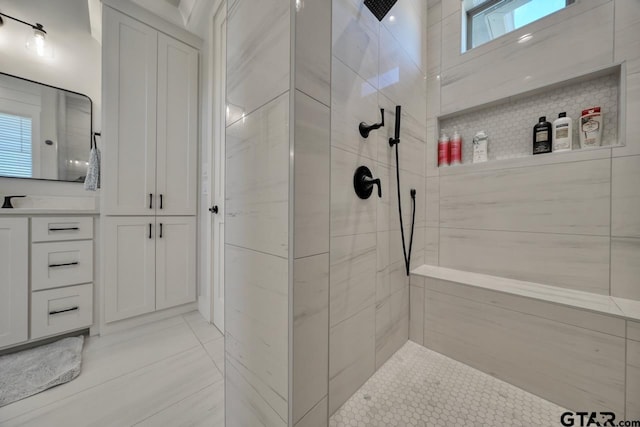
(379, 7)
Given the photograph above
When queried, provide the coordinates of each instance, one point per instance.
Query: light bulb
(37, 42)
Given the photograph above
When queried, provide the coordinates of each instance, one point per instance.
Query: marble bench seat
(602, 304)
(580, 350)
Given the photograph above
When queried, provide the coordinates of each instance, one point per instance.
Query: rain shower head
(379, 7)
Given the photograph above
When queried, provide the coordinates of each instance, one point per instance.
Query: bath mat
(32, 371)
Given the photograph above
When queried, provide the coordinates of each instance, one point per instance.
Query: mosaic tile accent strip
(419, 387)
(510, 125)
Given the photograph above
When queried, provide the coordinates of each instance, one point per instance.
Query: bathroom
(235, 264)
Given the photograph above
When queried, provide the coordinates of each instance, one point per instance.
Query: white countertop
(34, 211)
(604, 304)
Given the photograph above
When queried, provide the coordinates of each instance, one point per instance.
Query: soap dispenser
(542, 136)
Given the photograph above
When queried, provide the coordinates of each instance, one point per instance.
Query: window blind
(15, 146)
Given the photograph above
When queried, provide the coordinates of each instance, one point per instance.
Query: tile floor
(419, 387)
(170, 373)
(167, 373)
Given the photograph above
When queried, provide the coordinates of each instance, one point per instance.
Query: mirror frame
(90, 134)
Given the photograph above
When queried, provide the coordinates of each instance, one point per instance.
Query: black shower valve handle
(365, 129)
(375, 182)
(363, 182)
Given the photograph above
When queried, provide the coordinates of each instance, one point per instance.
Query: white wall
(75, 65)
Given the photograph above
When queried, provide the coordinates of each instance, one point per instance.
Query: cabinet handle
(63, 265)
(161, 201)
(161, 230)
(149, 230)
(65, 310)
(65, 229)
(150, 201)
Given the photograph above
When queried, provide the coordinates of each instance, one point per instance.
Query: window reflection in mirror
(45, 132)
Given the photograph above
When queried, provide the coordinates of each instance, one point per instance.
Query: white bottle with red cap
(590, 127)
(456, 148)
(444, 150)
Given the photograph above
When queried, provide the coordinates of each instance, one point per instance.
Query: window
(15, 146)
(489, 19)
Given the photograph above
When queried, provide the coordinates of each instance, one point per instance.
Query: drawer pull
(63, 265)
(65, 229)
(66, 310)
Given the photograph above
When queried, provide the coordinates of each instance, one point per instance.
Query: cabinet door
(175, 261)
(130, 250)
(129, 58)
(177, 127)
(14, 288)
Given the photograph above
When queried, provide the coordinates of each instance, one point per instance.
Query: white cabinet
(130, 61)
(149, 264)
(56, 264)
(14, 288)
(61, 265)
(177, 128)
(60, 310)
(150, 97)
(175, 261)
(130, 256)
(150, 132)
(61, 275)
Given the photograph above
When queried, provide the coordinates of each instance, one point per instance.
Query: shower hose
(407, 255)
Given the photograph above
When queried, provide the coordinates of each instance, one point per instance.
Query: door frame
(211, 295)
(217, 162)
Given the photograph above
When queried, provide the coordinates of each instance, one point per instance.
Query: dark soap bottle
(542, 137)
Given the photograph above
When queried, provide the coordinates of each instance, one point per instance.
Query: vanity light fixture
(37, 41)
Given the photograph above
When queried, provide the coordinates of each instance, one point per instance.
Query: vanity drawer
(61, 228)
(60, 310)
(61, 263)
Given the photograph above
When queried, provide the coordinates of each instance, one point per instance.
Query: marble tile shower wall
(374, 65)
(572, 224)
(257, 214)
(579, 211)
(277, 213)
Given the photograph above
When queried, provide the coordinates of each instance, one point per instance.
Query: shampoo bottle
(456, 148)
(444, 150)
(562, 133)
(590, 127)
(542, 136)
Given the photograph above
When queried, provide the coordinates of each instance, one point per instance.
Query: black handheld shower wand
(396, 141)
(396, 137)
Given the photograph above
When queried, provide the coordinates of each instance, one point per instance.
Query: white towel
(92, 180)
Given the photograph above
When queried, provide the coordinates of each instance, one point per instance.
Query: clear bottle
(562, 133)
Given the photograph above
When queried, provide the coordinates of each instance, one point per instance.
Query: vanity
(70, 259)
(47, 273)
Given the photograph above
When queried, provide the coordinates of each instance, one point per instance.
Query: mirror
(45, 132)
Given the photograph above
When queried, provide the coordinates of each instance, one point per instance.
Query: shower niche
(508, 122)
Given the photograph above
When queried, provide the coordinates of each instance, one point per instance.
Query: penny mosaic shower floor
(419, 387)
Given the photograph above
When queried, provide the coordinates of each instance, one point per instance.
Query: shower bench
(577, 349)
